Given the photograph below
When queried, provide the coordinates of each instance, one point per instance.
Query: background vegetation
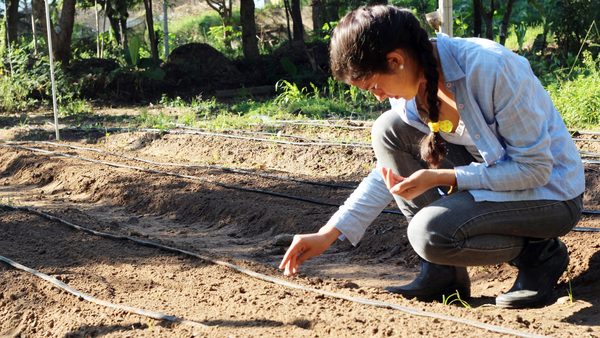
(256, 63)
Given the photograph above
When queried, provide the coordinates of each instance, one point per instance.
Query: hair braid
(433, 146)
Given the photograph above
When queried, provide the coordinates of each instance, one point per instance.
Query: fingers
(391, 179)
(289, 263)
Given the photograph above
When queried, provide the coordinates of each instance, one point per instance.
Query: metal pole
(34, 36)
(445, 8)
(97, 30)
(51, 57)
(166, 27)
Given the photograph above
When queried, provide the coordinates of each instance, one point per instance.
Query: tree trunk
(151, 34)
(506, 21)
(60, 41)
(286, 4)
(63, 38)
(12, 20)
(318, 14)
(489, 21)
(249, 40)
(477, 15)
(296, 13)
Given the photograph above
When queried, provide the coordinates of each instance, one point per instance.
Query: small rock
(349, 285)
(284, 240)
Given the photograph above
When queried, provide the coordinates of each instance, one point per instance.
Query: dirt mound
(201, 66)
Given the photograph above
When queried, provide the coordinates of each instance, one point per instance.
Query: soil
(204, 214)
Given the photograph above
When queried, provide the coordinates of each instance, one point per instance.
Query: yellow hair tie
(445, 126)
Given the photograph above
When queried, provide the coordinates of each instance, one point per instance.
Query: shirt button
(461, 106)
(477, 136)
(448, 84)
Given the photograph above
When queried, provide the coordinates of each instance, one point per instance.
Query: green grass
(578, 99)
(511, 41)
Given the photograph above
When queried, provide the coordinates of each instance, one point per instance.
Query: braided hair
(359, 48)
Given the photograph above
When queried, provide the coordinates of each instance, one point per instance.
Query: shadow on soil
(586, 287)
(98, 331)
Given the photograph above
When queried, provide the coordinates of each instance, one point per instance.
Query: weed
(455, 298)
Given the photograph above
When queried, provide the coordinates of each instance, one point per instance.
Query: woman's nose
(380, 97)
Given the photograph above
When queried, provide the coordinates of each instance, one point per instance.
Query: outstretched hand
(306, 246)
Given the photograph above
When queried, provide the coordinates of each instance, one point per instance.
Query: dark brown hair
(359, 48)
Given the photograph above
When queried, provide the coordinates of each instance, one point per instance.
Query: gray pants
(456, 230)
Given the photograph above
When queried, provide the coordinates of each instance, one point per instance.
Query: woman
(468, 117)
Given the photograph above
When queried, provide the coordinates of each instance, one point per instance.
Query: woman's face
(403, 81)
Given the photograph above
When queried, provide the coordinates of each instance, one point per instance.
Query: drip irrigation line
(264, 133)
(223, 185)
(130, 309)
(589, 154)
(168, 173)
(312, 124)
(239, 137)
(586, 139)
(282, 282)
(584, 132)
(206, 166)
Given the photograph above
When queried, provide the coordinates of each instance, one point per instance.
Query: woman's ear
(396, 60)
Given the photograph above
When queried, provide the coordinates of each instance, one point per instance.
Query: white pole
(166, 27)
(51, 56)
(446, 14)
(34, 36)
(97, 30)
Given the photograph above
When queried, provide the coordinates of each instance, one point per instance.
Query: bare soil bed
(227, 215)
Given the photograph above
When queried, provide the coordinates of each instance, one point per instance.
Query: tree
(477, 15)
(117, 13)
(12, 19)
(62, 34)
(151, 33)
(324, 11)
(296, 14)
(223, 7)
(249, 40)
(506, 21)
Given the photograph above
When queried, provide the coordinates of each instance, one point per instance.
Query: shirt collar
(450, 67)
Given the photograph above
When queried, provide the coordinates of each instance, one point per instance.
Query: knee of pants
(386, 128)
(432, 236)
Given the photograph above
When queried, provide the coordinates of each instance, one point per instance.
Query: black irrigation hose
(233, 187)
(282, 282)
(207, 166)
(269, 134)
(63, 286)
(239, 137)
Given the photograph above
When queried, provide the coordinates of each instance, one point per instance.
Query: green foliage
(570, 21)
(160, 121)
(226, 39)
(134, 50)
(578, 99)
(28, 84)
(520, 31)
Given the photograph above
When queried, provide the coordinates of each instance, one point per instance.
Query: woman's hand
(417, 183)
(307, 246)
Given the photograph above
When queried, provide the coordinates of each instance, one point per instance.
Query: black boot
(434, 282)
(540, 264)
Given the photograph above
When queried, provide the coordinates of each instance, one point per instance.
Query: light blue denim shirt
(528, 153)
